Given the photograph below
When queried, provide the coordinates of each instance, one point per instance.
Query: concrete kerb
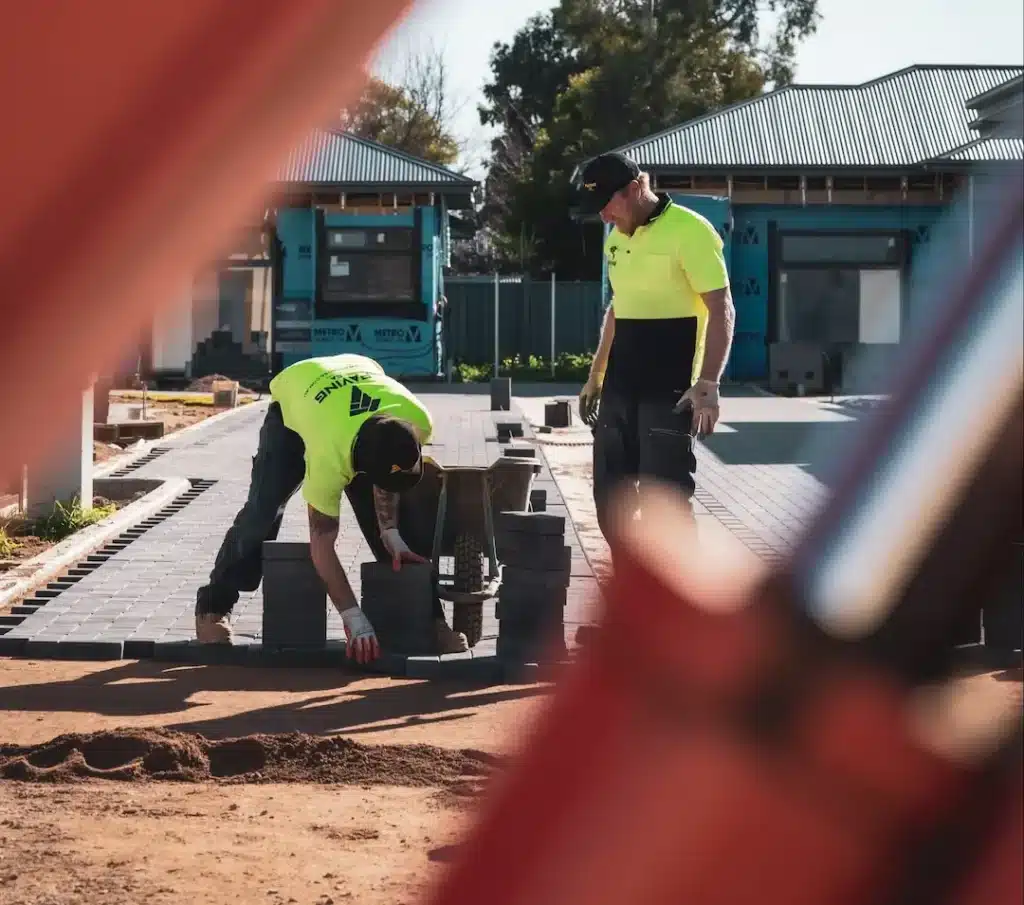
(137, 452)
(32, 574)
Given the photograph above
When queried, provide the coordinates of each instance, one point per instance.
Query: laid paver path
(761, 477)
(146, 592)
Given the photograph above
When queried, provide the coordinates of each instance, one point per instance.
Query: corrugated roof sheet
(899, 120)
(1004, 89)
(334, 157)
(987, 150)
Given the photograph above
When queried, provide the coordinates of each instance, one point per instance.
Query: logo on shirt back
(362, 403)
(337, 381)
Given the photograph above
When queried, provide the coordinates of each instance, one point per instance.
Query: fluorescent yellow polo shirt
(325, 400)
(658, 276)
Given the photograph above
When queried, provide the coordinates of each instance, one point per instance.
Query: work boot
(448, 640)
(213, 628)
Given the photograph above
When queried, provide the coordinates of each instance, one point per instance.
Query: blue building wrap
(745, 230)
(404, 346)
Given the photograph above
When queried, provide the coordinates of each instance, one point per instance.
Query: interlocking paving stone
(138, 601)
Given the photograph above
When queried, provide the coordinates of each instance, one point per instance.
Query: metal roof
(1000, 91)
(900, 120)
(987, 150)
(338, 158)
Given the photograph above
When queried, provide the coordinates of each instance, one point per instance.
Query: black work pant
(278, 469)
(636, 439)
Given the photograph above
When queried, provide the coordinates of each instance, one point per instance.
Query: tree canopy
(591, 75)
(412, 112)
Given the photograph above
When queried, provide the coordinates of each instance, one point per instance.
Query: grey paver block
(530, 523)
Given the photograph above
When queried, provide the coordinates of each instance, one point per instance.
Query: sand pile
(139, 755)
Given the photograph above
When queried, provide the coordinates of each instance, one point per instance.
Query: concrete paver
(761, 476)
(144, 595)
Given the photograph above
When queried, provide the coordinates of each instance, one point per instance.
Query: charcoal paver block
(399, 605)
(541, 644)
(538, 500)
(557, 414)
(294, 597)
(530, 523)
(531, 608)
(12, 647)
(421, 667)
(509, 428)
(514, 578)
(89, 649)
(501, 394)
(534, 551)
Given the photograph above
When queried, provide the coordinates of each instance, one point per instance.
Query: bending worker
(336, 425)
(666, 336)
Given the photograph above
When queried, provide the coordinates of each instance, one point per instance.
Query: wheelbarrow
(462, 502)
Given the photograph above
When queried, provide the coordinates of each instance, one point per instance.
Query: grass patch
(7, 543)
(65, 519)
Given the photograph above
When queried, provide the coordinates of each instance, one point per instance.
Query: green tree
(591, 75)
(412, 112)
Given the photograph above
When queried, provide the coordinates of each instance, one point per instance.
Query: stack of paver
(536, 565)
(399, 605)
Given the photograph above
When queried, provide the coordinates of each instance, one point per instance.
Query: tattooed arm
(386, 506)
(323, 532)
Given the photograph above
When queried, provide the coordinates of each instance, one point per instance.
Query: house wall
(750, 264)
(172, 334)
(236, 300)
(405, 346)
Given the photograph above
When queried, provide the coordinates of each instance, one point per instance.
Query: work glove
(361, 640)
(397, 549)
(702, 401)
(590, 396)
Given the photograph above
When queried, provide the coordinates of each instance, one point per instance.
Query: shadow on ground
(146, 688)
(816, 446)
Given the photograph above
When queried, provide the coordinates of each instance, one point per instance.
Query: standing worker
(336, 425)
(666, 336)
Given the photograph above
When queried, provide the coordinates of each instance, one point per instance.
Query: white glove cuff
(393, 540)
(356, 623)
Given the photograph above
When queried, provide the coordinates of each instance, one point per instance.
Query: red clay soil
(138, 755)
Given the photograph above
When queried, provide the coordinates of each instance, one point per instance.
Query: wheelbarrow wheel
(468, 618)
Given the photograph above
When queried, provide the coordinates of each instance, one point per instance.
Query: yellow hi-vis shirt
(325, 400)
(658, 276)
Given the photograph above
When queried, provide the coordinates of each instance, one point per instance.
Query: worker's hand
(397, 549)
(361, 640)
(702, 400)
(590, 395)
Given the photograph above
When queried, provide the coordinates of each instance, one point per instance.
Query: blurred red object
(136, 137)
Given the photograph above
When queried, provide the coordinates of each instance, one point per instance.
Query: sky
(857, 40)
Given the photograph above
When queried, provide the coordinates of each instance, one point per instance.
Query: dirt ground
(126, 782)
(379, 785)
(276, 786)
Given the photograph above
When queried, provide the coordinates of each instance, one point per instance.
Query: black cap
(388, 451)
(603, 177)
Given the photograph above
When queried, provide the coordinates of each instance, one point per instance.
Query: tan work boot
(448, 640)
(212, 628)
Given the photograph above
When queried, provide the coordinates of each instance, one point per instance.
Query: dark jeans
(278, 469)
(638, 438)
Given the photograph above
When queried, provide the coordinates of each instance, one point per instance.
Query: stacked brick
(536, 564)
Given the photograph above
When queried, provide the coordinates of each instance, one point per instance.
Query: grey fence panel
(524, 326)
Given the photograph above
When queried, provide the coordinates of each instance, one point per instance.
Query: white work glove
(702, 400)
(590, 395)
(362, 645)
(397, 549)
